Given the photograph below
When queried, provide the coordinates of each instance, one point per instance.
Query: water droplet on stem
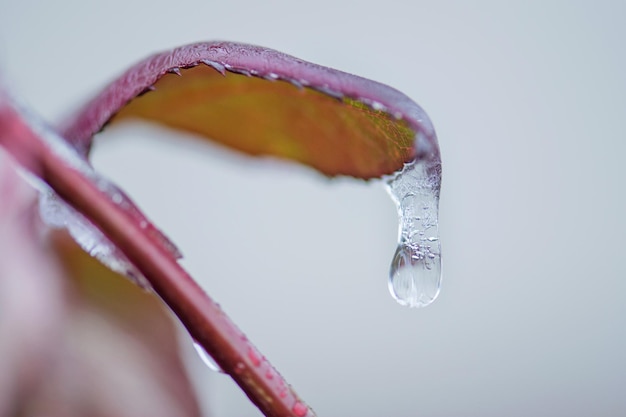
(300, 409)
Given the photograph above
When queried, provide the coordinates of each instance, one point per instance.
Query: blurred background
(529, 101)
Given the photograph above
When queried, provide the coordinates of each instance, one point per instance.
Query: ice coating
(206, 358)
(57, 213)
(65, 151)
(415, 273)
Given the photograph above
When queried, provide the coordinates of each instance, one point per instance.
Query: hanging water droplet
(206, 358)
(415, 273)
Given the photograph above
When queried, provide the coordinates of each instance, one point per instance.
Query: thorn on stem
(295, 83)
(174, 70)
(270, 76)
(325, 90)
(239, 71)
(215, 65)
(145, 90)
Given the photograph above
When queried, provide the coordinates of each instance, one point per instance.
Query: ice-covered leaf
(264, 102)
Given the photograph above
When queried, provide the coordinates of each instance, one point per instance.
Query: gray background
(529, 101)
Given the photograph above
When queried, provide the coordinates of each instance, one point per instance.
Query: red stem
(202, 317)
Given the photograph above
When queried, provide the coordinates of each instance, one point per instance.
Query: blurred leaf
(75, 338)
(32, 308)
(121, 354)
(263, 102)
